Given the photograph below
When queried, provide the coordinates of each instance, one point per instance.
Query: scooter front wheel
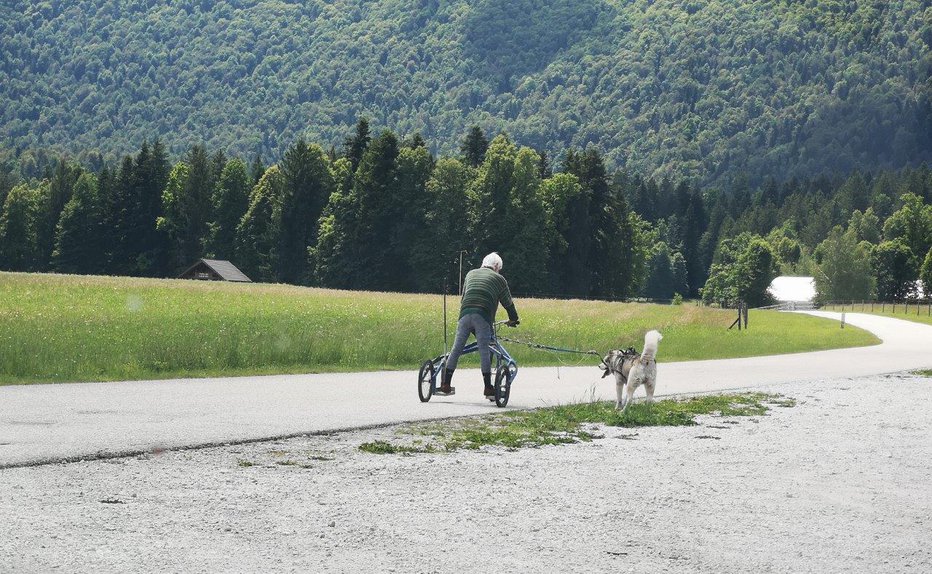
(425, 381)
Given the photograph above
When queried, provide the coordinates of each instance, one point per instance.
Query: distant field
(919, 313)
(56, 328)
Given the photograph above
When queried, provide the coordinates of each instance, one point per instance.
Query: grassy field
(74, 328)
(919, 313)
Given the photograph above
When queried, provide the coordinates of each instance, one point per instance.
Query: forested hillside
(701, 90)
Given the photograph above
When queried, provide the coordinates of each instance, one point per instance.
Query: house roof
(787, 288)
(224, 269)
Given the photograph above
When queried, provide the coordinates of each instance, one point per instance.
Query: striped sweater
(483, 290)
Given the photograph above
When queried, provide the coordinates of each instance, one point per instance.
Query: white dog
(643, 372)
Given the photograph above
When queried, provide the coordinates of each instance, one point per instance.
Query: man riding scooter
(483, 290)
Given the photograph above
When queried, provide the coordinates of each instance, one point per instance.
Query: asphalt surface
(53, 423)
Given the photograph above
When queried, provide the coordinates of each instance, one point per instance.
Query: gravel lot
(838, 483)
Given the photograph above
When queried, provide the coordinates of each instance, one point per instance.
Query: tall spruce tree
(375, 188)
(355, 146)
(410, 206)
(125, 220)
(447, 228)
(307, 185)
(613, 250)
(188, 209)
(79, 240)
(474, 147)
(61, 188)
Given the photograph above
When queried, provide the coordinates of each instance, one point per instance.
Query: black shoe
(489, 389)
(445, 388)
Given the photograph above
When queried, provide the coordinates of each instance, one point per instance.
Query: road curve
(53, 423)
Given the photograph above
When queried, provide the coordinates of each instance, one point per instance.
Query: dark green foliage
(355, 146)
(568, 204)
(61, 188)
(446, 229)
(697, 90)
(925, 274)
(474, 147)
(357, 243)
(743, 269)
(308, 184)
(612, 250)
(911, 224)
(844, 272)
(79, 240)
(895, 268)
(186, 203)
(258, 236)
(22, 216)
(140, 248)
(680, 274)
(230, 201)
(412, 200)
(660, 283)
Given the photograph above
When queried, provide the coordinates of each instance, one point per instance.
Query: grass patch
(567, 424)
(923, 373)
(917, 313)
(385, 447)
(61, 328)
(245, 463)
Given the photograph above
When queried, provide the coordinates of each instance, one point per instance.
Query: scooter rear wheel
(502, 386)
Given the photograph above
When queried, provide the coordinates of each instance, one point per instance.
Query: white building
(796, 290)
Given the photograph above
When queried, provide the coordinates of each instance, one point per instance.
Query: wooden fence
(906, 307)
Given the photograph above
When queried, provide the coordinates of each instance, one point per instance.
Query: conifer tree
(256, 169)
(79, 241)
(659, 284)
(307, 185)
(61, 188)
(355, 146)
(474, 147)
(447, 228)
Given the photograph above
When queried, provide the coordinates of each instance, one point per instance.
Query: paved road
(49, 423)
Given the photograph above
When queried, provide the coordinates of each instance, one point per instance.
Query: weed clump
(567, 424)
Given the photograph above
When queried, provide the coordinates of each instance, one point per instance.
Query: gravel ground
(838, 483)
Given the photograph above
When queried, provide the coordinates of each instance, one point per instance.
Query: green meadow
(59, 328)
(918, 312)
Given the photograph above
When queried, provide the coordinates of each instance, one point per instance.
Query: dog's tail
(650, 344)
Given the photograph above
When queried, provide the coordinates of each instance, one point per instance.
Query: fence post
(842, 320)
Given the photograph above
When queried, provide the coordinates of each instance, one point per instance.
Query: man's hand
(514, 323)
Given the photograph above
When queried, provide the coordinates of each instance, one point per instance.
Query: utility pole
(460, 291)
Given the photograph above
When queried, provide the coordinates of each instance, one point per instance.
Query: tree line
(383, 213)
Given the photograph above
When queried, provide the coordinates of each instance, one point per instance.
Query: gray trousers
(472, 323)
